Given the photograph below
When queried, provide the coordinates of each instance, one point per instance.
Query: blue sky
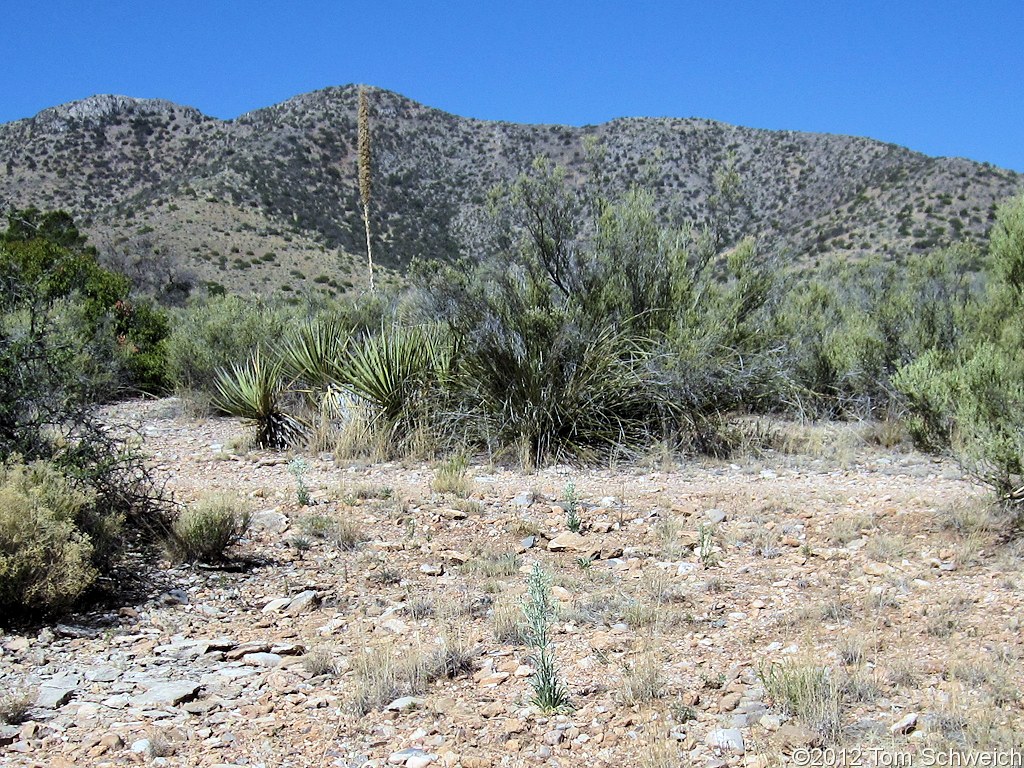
(941, 77)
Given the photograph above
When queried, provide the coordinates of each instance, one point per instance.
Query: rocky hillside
(269, 200)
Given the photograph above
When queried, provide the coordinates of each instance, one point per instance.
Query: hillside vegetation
(270, 200)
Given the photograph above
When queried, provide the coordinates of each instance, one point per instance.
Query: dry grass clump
(884, 547)
(455, 657)
(452, 476)
(642, 681)
(492, 565)
(508, 622)
(321, 660)
(204, 530)
(342, 532)
(15, 703)
(661, 751)
(384, 674)
(809, 693)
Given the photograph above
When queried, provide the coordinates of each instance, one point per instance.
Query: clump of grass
(15, 704)
(384, 577)
(455, 657)
(494, 564)
(836, 610)
(715, 585)
(662, 751)
(973, 517)
(858, 686)
(639, 614)
(642, 681)
(902, 674)
(419, 608)
(846, 529)
(344, 533)
(523, 527)
(888, 433)
(367, 492)
(384, 674)
(204, 530)
(882, 548)
(321, 660)
(851, 651)
(508, 623)
(941, 624)
(668, 531)
(452, 476)
(765, 542)
(808, 693)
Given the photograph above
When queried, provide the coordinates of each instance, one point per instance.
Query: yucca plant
(253, 391)
(393, 369)
(314, 355)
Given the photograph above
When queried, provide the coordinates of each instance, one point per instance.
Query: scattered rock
(795, 736)
(57, 691)
(715, 516)
(574, 542)
(726, 739)
(169, 693)
(406, 702)
(905, 725)
(524, 500)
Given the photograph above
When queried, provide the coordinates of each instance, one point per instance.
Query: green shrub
(218, 332)
(853, 327)
(573, 344)
(204, 530)
(46, 557)
(978, 406)
(52, 280)
(809, 693)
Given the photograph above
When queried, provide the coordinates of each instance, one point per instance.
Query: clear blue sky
(943, 77)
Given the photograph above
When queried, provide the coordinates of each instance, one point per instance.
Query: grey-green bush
(46, 558)
(203, 531)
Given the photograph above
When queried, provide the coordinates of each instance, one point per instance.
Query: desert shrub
(851, 329)
(204, 530)
(61, 352)
(16, 702)
(220, 331)
(46, 551)
(973, 397)
(53, 283)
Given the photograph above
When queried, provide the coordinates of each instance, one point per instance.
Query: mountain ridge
(268, 200)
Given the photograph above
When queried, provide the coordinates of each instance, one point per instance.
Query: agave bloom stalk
(365, 187)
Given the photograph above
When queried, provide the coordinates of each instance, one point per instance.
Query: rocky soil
(695, 598)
